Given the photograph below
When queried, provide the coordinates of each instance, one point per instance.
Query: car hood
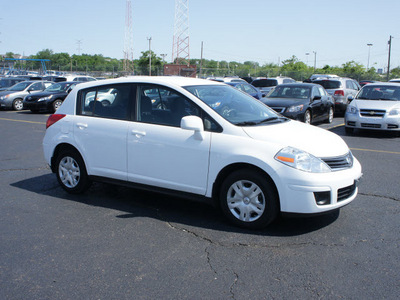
(316, 141)
(283, 102)
(2, 93)
(375, 104)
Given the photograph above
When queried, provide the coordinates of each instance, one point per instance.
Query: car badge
(372, 113)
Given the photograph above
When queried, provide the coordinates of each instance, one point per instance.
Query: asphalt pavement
(121, 243)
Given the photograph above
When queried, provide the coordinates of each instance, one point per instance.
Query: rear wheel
(71, 172)
(330, 115)
(18, 104)
(248, 199)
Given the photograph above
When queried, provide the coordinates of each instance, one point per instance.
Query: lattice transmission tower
(128, 41)
(180, 45)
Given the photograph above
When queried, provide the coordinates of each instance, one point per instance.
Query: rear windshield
(328, 84)
(265, 82)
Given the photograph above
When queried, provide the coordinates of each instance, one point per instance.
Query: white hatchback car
(246, 158)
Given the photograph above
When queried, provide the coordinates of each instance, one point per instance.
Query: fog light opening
(322, 198)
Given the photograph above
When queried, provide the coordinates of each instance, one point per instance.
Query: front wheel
(249, 199)
(307, 117)
(56, 104)
(71, 172)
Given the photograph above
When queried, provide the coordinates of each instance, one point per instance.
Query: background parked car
(305, 102)
(51, 98)
(13, 97)
(8, 82)
(247, 88)
(364, 82)
(342, 89)
(376, 107)
(267, 84)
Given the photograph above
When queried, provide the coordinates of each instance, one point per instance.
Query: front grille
(340, 162)
(279, 109)
(369, 125)
(346, 192)
(372, 113)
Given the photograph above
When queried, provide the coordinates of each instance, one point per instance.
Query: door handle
(81, 125)
(138, 133)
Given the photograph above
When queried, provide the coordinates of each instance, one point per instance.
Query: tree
(143, 62)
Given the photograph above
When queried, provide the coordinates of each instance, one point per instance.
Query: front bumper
(390, 123)
(317, 193)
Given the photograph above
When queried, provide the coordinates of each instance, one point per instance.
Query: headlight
(301, 160)
(394, 112)
(45, 98)
(352, 109)
(295, 108)
(4, 97)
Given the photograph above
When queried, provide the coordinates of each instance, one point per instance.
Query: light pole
(315, 60)
(149, 39)
(307, 54)
(369, 51)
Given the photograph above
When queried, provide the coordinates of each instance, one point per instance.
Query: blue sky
(233, 30)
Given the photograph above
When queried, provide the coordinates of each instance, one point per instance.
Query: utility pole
(149, 39)
(390, 49)
(201, 59)
(79, 43)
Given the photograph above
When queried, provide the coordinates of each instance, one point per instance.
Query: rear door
(100, 130)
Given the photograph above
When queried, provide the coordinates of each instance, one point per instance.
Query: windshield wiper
(267, 120)
(246, 123)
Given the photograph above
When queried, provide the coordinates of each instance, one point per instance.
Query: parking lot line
(23, 121)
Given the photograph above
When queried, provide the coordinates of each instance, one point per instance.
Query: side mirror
(193, 123)
(316, 98)
(263, 95)
(350, 98)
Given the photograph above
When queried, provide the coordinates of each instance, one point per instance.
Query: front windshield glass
(381, 92)
(291, 92)
(265, 82)
(234, 105)
(20, 86)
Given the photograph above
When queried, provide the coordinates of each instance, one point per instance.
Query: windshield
(20, 86)
(328, 84)
(381, 92)
(234, 105)
(265, 82)
(292, 92)
(58, 87)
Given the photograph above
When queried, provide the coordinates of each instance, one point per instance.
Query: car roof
(305, 84)
(383, 84)
(176, 81)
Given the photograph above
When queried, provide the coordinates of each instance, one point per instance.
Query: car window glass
(47, 84)
(111, 101)
(36, 86)
(248, 89)
(159, 105)
(322, 91)
(349, 85)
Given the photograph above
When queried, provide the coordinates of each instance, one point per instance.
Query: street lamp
(369, 51)
(307, 54)
(315, 60)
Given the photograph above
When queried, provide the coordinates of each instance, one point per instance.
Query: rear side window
(329, 84)
(111, 101)
(265, 82)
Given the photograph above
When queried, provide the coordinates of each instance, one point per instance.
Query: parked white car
(246, 158)
(376, 107)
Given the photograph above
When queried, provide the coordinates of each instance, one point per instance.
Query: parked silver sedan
(376, 107)
(12, 97)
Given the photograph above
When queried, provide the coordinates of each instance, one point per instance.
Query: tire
(56, 104)
(18, 104)
(248, 199)
(330, 116)
(71, 172)
(307, 117)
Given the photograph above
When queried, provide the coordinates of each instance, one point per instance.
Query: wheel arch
(235, 167)
(62, 147)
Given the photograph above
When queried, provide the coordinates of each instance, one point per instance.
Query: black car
(51, 98)
(306, 102)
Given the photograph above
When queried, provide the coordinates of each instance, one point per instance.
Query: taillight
(339, 93)
(53, 118)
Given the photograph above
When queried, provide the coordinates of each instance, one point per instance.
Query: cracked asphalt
(120, 243)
